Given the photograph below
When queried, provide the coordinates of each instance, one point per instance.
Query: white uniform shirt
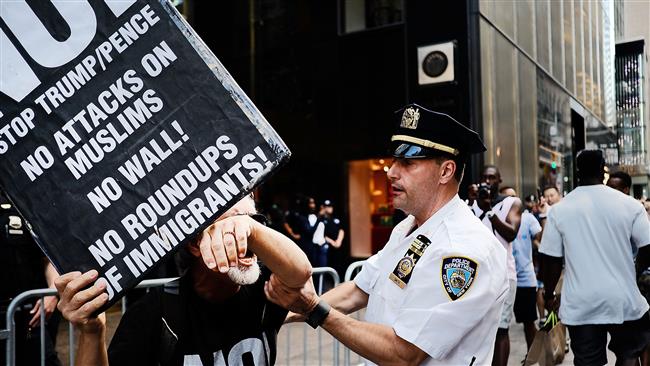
(501, 210)
(451, 332)
(595, 229)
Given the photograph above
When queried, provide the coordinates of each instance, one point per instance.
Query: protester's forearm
(375, 342)
(346, 298)
(92, 349)
(281, 256)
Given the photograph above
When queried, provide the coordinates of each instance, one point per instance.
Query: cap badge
(410, 118)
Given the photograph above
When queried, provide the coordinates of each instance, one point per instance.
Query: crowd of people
(597, 237)
(313, 227)
(442, 291)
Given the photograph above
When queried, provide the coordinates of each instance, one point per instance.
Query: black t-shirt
(332, 226)
(22, 263)
(174, 326)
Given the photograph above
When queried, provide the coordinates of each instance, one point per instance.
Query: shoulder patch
(457, 275)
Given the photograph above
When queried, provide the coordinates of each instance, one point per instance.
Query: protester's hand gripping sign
(121, 134)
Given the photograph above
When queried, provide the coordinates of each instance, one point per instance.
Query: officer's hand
(49, 305)
(78, 305)
(223, 242)
(299, 300)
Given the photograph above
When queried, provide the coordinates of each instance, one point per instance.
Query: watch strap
(317, 316)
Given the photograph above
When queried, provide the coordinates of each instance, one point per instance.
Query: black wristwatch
(317, 316)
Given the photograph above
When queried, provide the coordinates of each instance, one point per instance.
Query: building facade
(632, 85)
(548, 87)
(535, 78)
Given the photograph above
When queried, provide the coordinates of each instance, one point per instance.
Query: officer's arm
(508, 230)
(375, 342)
(346, 298)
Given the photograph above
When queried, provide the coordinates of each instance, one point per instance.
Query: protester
(501, 214)
(530, 232)
(620, 181)
(411, 318)
(594, 231)
(215, 312)
(24, 267)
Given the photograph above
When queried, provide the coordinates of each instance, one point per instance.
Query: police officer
(434, 293)
(24, 267)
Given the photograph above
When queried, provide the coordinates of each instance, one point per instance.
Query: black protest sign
(121, 134)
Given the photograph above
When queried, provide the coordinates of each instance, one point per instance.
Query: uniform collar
(432, 222)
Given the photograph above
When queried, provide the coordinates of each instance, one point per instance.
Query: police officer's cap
(423, 133)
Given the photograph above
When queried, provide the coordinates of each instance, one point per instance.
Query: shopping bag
(547, 348)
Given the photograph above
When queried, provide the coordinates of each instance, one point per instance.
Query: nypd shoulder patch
(457, 275)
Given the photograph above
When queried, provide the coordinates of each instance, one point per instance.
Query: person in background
(530, 233)
(328, 234)
(301, 224)
(620, 181)
(594, 231)
(550, 196)
(501, 214)
(472, 194)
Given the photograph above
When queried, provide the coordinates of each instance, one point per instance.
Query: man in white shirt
(595, 230)
(435, 291)
(501, 214)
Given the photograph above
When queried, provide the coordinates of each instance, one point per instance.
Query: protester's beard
(244, 275)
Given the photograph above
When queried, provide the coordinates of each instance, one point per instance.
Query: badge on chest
(458, 274)
(404, 268)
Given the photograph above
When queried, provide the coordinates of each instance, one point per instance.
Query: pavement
(319, 347)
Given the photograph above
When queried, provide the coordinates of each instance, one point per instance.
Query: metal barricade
(352, 271)
(10, 332)
(323, 278)
(321, 275)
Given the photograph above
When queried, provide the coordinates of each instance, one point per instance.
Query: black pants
(28, 343)
(628, 340)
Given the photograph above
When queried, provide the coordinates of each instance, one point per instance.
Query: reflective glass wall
(541, 61)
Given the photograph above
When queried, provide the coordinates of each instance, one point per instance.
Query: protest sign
(121, 134)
